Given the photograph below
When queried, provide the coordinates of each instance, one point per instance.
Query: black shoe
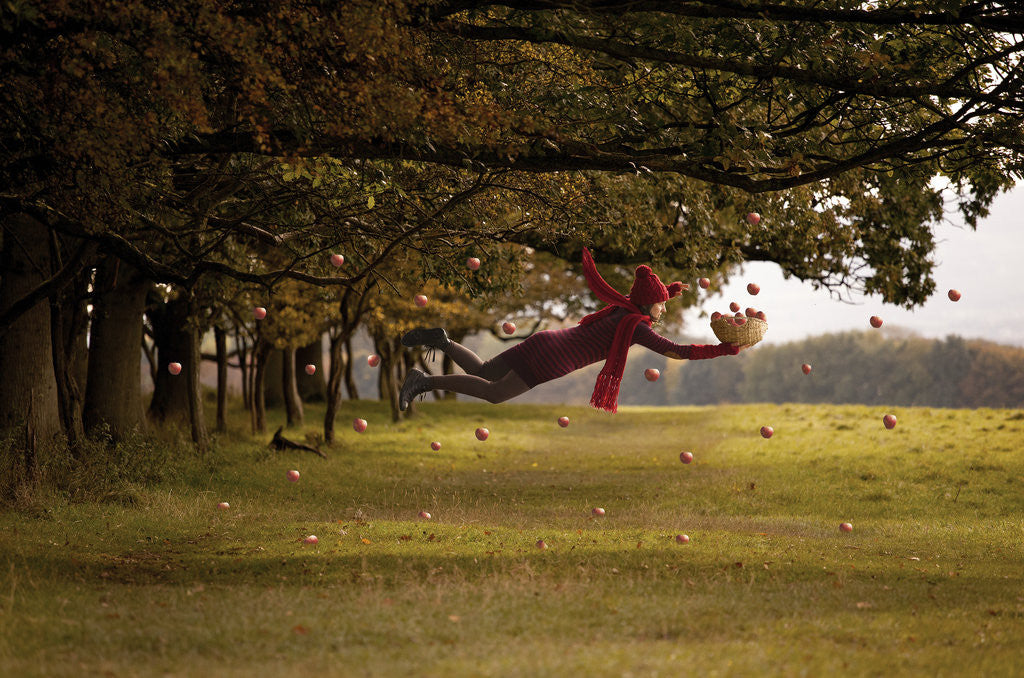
(416, 383)
(433, 338)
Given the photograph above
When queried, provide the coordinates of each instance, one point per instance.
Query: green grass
(157, 581)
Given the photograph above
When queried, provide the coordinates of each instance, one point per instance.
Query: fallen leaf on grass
(300, 629)
(365, 540)
(454, 617)
(864, 605)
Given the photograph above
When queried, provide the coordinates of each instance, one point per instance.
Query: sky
(985, 265)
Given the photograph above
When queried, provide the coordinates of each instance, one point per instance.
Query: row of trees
(167, 167)
(852, 367)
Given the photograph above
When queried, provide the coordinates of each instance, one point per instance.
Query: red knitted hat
(648, 288)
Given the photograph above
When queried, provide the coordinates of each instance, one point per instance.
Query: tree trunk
(259, 403)
(113, 394)
(220, 337)
(391, 357)
(171, 336)
(69, 320)
(311, 386)
(292, 401)
(273, 393)
(335, 374)
(28, 388)
(196, 415)
(350, 379)
(242, 349)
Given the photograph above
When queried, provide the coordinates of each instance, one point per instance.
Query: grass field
(157, 581)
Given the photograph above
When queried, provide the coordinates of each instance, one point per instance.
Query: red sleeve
(647, 337)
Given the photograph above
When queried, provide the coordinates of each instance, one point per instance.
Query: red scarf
(606, 390)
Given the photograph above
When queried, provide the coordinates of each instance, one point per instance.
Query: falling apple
(311, 369)
(311, 539)
(420, 300)
(686, 457)
(337, 260)
(767, 431)
(734, 307)
(424, 515)
(373, 360)
(875, 321)
(508, 327)
(598, 511)
(563, 421)
(682, 539)
(473, 264)
(889, 421)
(223, 506)
(753, 218)
(482, 433)
(174, 368)
(435, 446)
(806, 368)
(704, 283)
(651, 374)
(293, 476)
(259, 313)
(846, 527)
(359, 425)
(954, 295)
(753, 288)
(541, 545)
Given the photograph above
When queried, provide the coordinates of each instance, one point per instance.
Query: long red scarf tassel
(606, 393)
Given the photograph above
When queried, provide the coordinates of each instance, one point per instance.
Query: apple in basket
(750, 312)
(760, 315)
(715, 316)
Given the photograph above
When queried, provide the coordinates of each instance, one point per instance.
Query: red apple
(435, 446)
(682, 539)
(373, 360)
(420, 300)
(223, 506)
(767, 431)
(359, 425)
(259, 313)
(686, 457)
(337, 260)
(541, 545)
(740, 320)
(753, 288)
(846, 527)
(753, 218)
(651, 374)
(704, 283)
(715, 316)
(293, 476)
(424, 515)
(760, 315)
(750, 312)
(875, 321)
(311, 369)
(473, 264)
(954, 295)
(563, 421)
(311, 539)
(598, 511)
(889, 421)
(734, 307)
(174, 368)
(508, 327)
(806, 368)
(482, 433)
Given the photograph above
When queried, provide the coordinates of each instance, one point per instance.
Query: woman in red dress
(604, 335)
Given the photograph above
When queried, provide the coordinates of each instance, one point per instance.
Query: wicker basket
(748, 333)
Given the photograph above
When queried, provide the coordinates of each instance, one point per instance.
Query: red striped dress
(554, 353)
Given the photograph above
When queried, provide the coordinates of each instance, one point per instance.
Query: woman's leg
(508, 386)
(470, 362)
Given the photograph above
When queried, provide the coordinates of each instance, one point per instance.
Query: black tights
(493, 381)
